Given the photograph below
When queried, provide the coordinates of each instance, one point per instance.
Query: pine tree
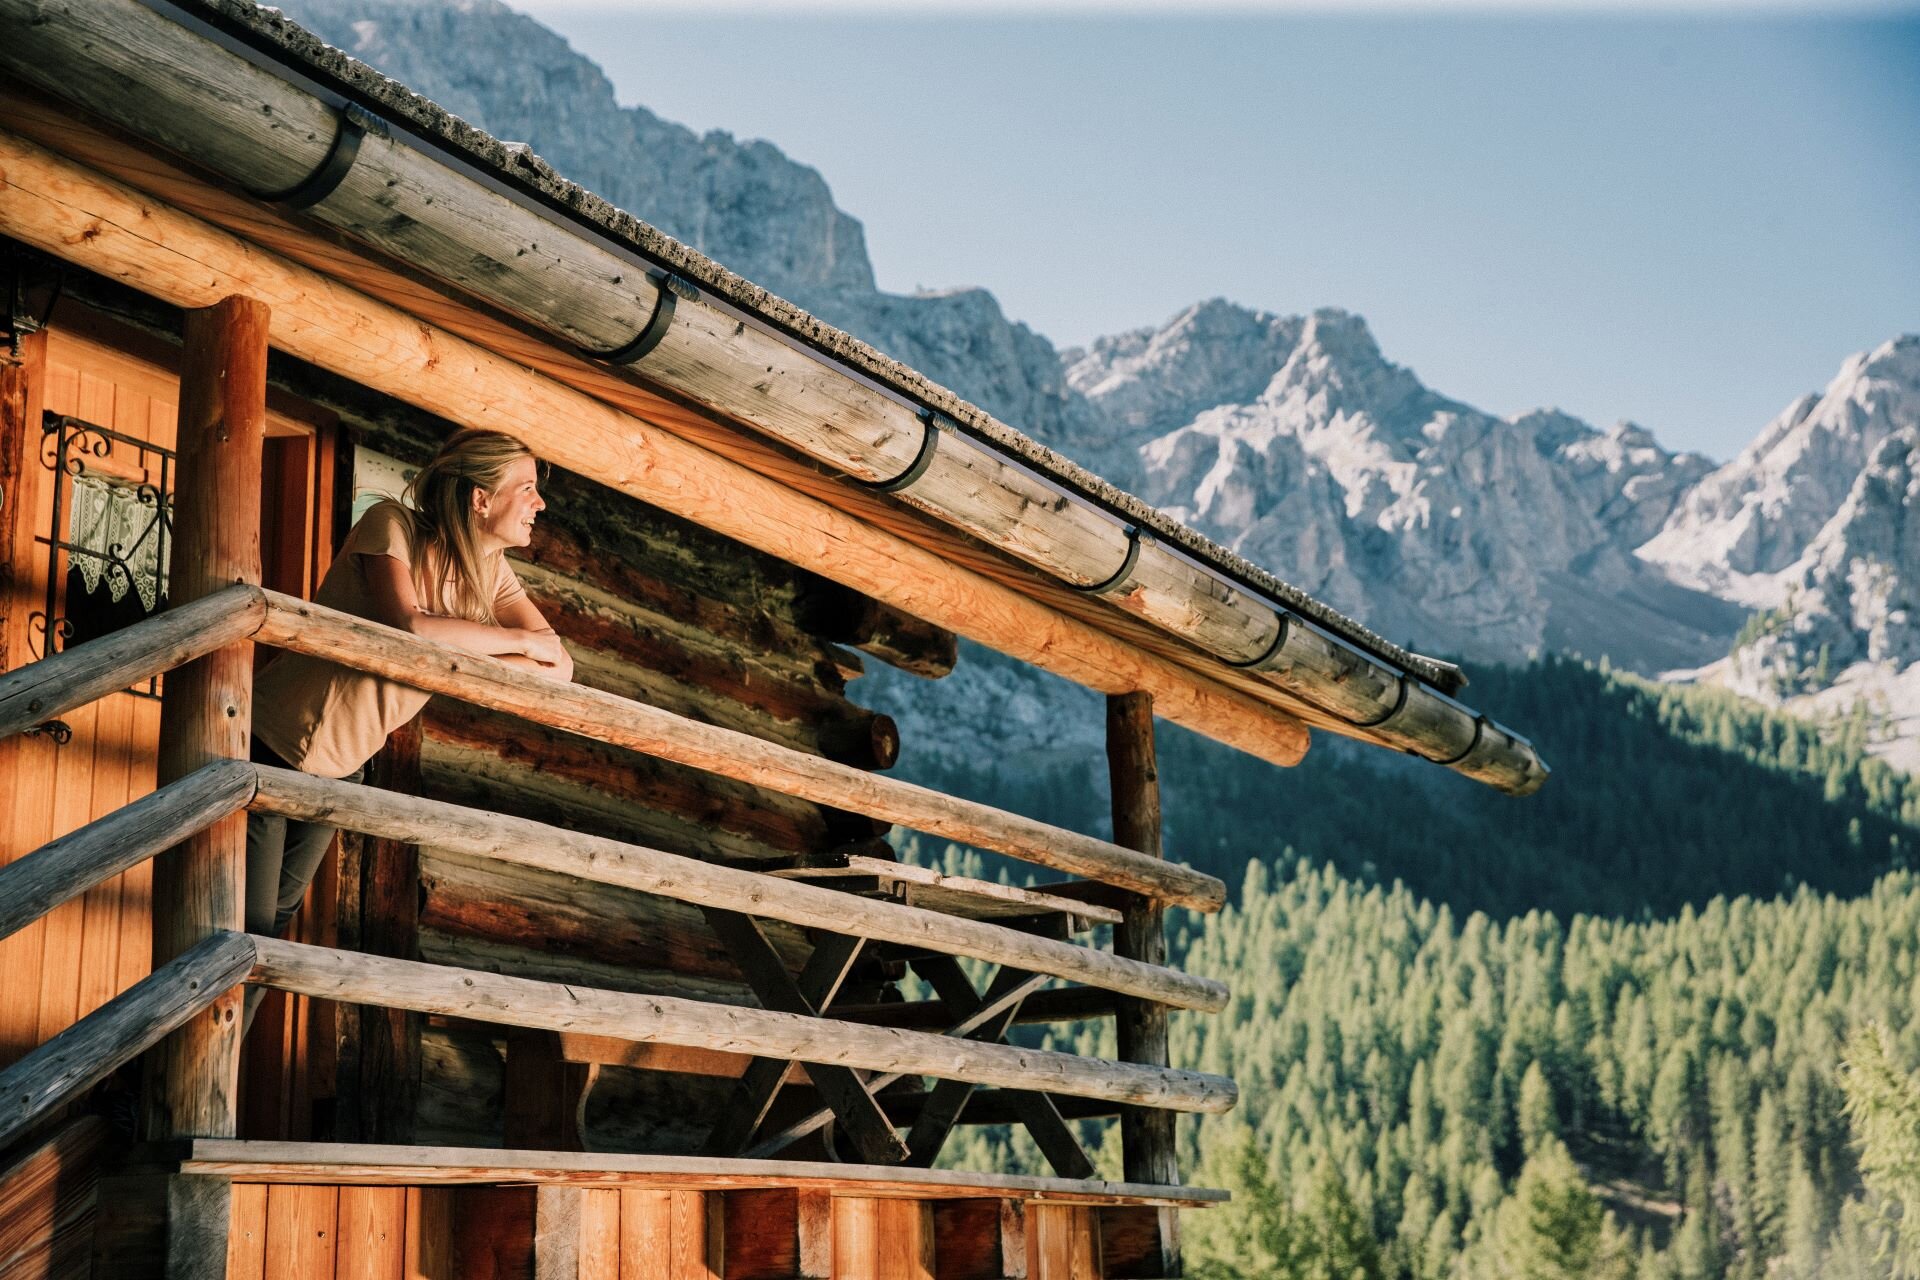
(1884, 1105)
(1537, 1118)
(1553, 1227)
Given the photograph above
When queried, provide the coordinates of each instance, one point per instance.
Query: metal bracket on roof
(1399, 702)
(1479, 728)
(1135, 536)
(355, 124)
(1284, 624)
(929, 444)
(668, 287)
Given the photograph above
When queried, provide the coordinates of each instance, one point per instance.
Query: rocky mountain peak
(747, 205)
(1148, 381)
(1744, 527)
(1292, 439)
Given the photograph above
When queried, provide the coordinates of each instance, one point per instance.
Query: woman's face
(504, 518)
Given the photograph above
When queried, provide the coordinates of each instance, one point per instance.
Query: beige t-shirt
(327, 719)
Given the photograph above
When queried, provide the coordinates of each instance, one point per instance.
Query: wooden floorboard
(343, 1164)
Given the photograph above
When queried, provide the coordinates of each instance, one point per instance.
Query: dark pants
(282, 855)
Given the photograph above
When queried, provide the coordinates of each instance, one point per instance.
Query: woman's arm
(390, 585)
(543, 644)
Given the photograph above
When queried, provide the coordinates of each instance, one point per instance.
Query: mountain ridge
(1292, 440)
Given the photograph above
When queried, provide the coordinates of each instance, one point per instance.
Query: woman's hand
(544, 647)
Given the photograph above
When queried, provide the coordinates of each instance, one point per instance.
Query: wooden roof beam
(83, 217)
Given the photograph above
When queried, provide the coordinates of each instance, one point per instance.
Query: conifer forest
(1659, 1022)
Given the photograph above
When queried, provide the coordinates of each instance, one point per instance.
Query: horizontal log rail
(75, 862)
(120, 1030)
(519, 840)
(66, 868)
(39, 691)
(384, 651)
(408, 984)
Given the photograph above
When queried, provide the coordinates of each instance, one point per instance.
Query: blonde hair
(450, 572)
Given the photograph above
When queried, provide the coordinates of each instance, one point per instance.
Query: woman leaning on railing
(435, 567)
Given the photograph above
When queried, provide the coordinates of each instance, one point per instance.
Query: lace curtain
(121, 525)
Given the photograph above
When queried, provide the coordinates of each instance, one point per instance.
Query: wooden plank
(373, 1164)
(327, 633)
(119, 1031)
(49, 1200)
(27, 765)
(882, 1239)
(651, 871)
(51, 202)
(301, 1224)
(247, 1237)
(646, 1232)
(136, 921)
(317, 971)
(1061, 1244)
(164, 1226)
(372, 1233)
(66, 927)
(493, 1232)
(599, 1234)
(62, 868)
(664, 1235)
(1138, 1241)
(428, 1251)
(979, 1240)
(557, 1243)
(197, 1220)
(23, 375)
(775, 1233)
(99, 967)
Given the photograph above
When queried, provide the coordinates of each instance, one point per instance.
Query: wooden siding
(316, 1232)
(79, 956)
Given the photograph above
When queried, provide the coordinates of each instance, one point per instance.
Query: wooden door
(91, 445)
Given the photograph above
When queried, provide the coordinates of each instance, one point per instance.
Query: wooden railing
(42, 690)
(121, 1030)
(144, 1014)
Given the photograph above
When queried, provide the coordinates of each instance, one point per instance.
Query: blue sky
(1683, 220)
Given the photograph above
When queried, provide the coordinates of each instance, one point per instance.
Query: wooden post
(199, 887)
(1146, 1135)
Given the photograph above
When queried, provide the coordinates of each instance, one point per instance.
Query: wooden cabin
(619, 978)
